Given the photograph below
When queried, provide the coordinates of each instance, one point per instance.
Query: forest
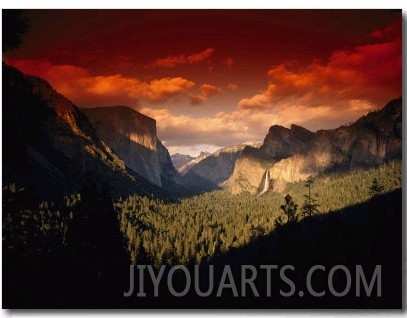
(191, 230)
(195, 229)
(90, 231)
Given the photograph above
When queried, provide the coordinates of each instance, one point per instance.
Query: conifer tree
(310, 206)
(289, 210)
(376, 188)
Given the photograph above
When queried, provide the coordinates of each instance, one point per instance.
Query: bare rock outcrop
(295, 154)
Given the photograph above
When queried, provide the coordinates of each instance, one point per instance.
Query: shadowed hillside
(50, 145)
(366, 234)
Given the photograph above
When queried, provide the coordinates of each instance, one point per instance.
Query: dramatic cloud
(164, 88)
(368, 73)
(173, 61)
(322, 69)
(186, 130)
(207, 90)
(220, 130)
(85, 90)
(318, 95)
(182, 133)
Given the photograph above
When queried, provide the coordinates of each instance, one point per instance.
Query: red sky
(213, 78)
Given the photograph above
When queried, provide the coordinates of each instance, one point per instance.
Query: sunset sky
(213, 78)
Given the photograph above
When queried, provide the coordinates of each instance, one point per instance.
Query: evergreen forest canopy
(189, 231)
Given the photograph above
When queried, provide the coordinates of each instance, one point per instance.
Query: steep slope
(212, 171)
(50, 146)
(133, 136)
(195, 160)
(295, 154)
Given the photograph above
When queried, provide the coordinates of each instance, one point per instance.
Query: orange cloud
(232, 86)
(370, 72)
(157, 90)
(164, 88)
(228, 128)
(173, 61)
(220, 129)
(207, 90)
(86, 90)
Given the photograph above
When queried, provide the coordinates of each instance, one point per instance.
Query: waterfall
(266, 182)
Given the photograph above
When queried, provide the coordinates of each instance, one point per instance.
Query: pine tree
(376, 188)
(289, 210)
(310, 206)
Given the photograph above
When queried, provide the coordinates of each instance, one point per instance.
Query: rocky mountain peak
(301, 133)
(180, 160)
(282, 142)
(189, 162)
(278, 131)
(203, 154)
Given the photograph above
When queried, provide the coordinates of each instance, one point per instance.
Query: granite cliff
(133, 136)
(297, 153)
(51, 147)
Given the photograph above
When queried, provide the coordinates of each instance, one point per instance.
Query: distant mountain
(133, 136)
(193, 162)
(210, 172)
(50, 147)
(180, 160)
(296, 153)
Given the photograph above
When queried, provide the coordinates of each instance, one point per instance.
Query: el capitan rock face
(51, 145)
(295, 154)
(133, 136)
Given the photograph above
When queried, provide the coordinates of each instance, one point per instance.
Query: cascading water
(266, 182)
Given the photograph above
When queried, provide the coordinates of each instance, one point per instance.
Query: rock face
(190, 164)
(282, 142)
(212, 171)
(180, 160)
(167, 169)
(295, 154)
(133, 136)
(249, 170)
(50, 145)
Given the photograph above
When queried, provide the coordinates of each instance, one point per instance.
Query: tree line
(190, 231)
